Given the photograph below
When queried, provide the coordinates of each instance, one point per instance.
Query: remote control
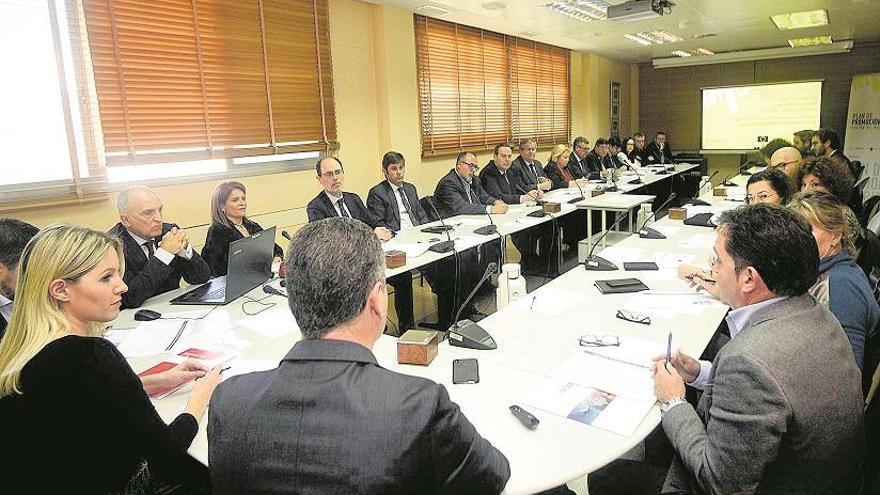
(524, 417)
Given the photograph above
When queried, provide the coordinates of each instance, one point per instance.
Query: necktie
(342, 211)
(506, 180)
(467, 189)
(406, 206)
(150, 249)
(534, 172)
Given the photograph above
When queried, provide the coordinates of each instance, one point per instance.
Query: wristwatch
(669, 404)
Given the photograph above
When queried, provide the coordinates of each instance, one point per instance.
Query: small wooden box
(677, 213)
(719, 191)
(395, 259)
(417, 347)
(552, 207)
(596, 192)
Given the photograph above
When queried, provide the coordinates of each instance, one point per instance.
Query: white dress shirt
(5, 308)
(405, 221)
(161, 254)
(336, 205)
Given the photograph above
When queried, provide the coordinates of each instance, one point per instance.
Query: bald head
(787, 159)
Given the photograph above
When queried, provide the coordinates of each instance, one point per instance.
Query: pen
(533, 302)
(668, 353)
(225, 369)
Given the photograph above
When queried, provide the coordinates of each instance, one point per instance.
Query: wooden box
(677, 213)
(550, 207)
(719, 191)
(417, 347)
(596, 192)
(395, 259)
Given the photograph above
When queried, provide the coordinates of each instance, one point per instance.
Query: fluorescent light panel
(799, 20)
(690, 53)
(581, 10)
(815, 40)
(653, 38)
(681, 53)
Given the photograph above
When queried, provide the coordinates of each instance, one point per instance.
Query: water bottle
(511, 285)
(644, 213)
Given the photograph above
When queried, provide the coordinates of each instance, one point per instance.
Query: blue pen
(668, 353)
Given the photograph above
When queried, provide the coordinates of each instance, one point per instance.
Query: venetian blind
(198, 79)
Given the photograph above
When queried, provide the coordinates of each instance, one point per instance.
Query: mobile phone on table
(465, 371)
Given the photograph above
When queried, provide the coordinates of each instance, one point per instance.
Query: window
(478, 88)
(117, 90)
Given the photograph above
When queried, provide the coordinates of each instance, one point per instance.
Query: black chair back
(427, 203)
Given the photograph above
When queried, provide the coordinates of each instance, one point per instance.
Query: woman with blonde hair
(557, 170)
(228, 223)
(76, 417)
(842, 285)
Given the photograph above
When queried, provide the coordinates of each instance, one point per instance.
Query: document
(670, 304)
(670, 261)
(590, 406)
(549, 301)
(611, 375)
(152, 337)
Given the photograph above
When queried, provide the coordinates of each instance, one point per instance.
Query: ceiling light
(432, 10)
(494, 5)
(700, 36)
(798, 20)
(528, 34)
(816, 40)
(680, 53)
(752, 55)
(582, 10)
(703, 51)
(653, 38)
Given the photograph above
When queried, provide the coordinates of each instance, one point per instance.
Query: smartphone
(465, 371)
(623, 282)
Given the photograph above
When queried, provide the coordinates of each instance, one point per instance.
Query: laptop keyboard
(216, 295)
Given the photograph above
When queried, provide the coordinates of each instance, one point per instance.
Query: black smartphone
(639, 265)
(623, 282)
(465, 371)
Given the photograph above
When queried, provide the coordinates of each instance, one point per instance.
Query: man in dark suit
(14, 236)
(577, 162)
(529, 169)
(330, 419)
(395, 204)
(503, 181)
(658, 151)
(598, 160)
(640, 150)
(781, 409)
(827, 142)
(157, 254)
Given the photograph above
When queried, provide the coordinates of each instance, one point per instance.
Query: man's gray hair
(122, 198)
(331, 266)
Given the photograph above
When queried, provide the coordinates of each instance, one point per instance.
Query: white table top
(530, 345)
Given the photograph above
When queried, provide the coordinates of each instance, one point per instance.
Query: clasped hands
(174, 241)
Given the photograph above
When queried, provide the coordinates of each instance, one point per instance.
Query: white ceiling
(736, 24)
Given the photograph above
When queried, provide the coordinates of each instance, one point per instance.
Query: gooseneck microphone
(466, 333)
(581, 191)
(442, 246)
(726, 182)
(487, 229)
(268, 289)
(649, 233)
(537, 213)
(596, 263)
(696, 201)
(638, 179)
(285, 235)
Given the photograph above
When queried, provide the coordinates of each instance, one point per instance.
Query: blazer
(597, 165)
(551, 171)
(147, 278)
(652, 154)
(452, 197)
(577, 167)
(527, 176)
(329, 419)
(782, 411)
(320, 207)
(501, 187)
(382, 204)
(216, 248)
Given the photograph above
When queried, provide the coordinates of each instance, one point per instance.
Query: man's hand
(544, 184)
(687, 367)
(174, 241)
(382, 233)
(498, 207)
(699, 278)
(668, 384)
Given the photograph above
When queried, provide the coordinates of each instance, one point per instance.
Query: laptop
(249, 265)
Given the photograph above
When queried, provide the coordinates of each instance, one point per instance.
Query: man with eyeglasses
(577, 162)
(640, 149)
(333, 202)
(788, 160)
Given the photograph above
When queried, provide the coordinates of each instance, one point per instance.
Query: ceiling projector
(635, 10)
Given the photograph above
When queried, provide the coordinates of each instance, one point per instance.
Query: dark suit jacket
(500, 187)
(382, 204)
(216, 248)
(641, 155)
(528, 178)
(577, 167)
(452, 198)
(551, 171)
(320, 207)
(652, 154)
(597, 165)
(329, 419)
(147, 278)
(782, 412)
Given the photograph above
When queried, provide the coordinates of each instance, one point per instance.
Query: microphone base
(487, 230)
(649, 233)
(697, 202)
(469, 335)
(437, 229)
(599, 264)
(538, 213)
(575, 200)
(540, 202)
(442, 247)
(662, 172)
(727, 183)
(636, 181)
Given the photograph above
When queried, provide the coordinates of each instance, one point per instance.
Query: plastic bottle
(511, 285)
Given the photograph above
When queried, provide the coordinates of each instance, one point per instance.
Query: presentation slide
(747, 117)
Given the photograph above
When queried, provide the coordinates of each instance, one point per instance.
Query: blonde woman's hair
(828, 213)
(218, 200)
(557, 151)
(57, 252)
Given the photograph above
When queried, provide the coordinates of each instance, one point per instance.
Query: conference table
(535, 335)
